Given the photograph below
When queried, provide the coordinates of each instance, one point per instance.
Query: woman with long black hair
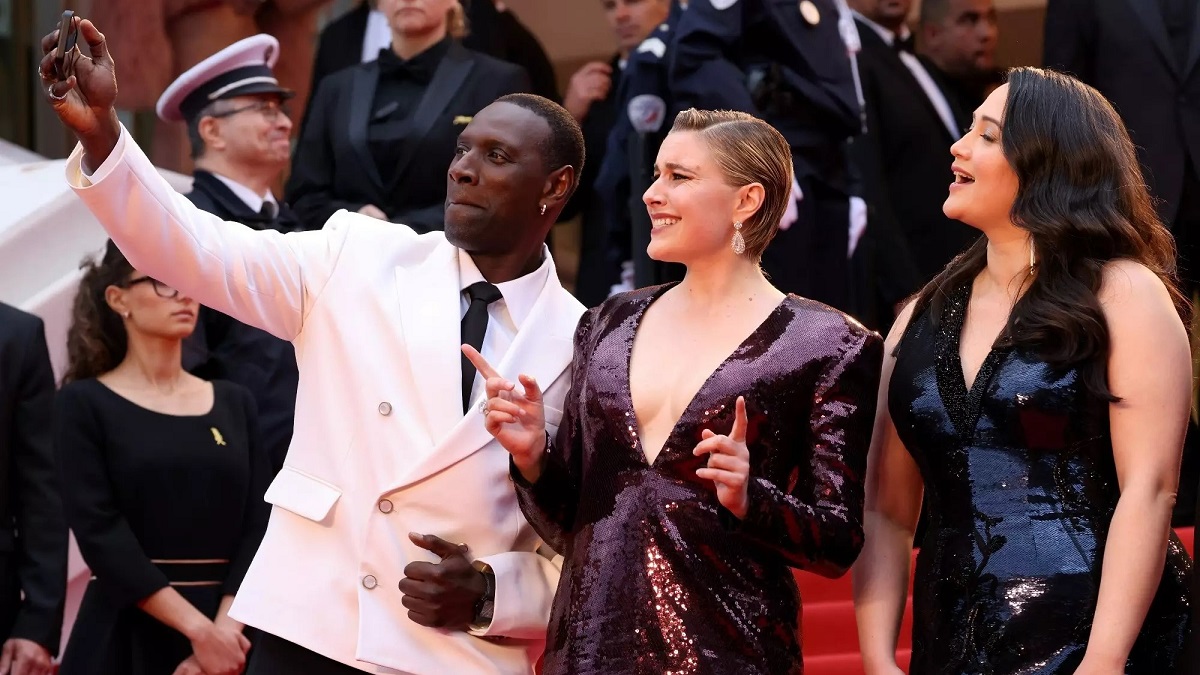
(1037, 391)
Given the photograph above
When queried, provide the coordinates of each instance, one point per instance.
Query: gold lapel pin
(463, 119)
(217, 435)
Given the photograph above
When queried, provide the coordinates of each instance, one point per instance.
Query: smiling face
(691, 204)
(985, 184)
(497, 181)
(153, 308)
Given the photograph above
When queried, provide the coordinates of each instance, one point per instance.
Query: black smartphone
(68, 35)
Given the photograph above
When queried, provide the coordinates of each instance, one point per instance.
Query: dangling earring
(543, 209)
(1032, 262)
(739, 244)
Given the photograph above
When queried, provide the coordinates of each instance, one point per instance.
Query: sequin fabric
(1021, 487)
(658, 578)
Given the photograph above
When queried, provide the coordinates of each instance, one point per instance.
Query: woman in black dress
(378, 136)
(714, 436)
(1038, 391)
(163, 481)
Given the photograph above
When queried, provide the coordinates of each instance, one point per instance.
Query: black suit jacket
(222, 348)
(905, 161)
(1121, 48)
(33, 531)
(495, 33)
(335, 169)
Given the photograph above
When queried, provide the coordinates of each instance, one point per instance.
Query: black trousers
(275, 656)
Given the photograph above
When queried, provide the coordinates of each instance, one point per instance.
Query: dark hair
(933, 11)
(564, 145)
(747, 150)
(96, 341)
(193, 130)
(1082, 198)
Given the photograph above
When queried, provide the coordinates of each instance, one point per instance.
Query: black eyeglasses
(270, 110)
(160, 289)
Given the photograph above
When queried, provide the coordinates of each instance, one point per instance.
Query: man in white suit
(395, 543)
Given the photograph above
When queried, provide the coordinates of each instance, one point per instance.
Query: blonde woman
(715, 435)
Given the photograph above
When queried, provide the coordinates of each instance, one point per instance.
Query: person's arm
(41, 545)
(262, 278)
(892, 508)
(1149, 369)
(701, 74)
(1068, 43)
(549, 492)
(257, 510)
(523, 593)
(310, 189)
(817, 525)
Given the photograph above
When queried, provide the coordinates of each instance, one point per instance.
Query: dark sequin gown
(1021, 488)
(658, 577)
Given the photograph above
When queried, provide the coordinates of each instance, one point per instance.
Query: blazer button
(369, 582)
(385, 408)
(385, 506)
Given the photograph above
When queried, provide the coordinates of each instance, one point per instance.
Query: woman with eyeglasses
(377, 137)
(163, 480)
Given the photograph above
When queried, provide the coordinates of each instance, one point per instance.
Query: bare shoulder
(1135, 300)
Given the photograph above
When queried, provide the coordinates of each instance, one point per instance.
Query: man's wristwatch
(486, 604)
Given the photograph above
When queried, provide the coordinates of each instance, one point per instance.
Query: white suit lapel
(542, 348)
(430, 312)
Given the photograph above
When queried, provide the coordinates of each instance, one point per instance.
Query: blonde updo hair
(456, 21)
(747, 150)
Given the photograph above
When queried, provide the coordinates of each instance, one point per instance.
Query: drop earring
(543, 209)
(738, 243)
(1032, 262)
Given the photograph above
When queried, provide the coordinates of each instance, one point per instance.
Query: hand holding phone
(68, 35)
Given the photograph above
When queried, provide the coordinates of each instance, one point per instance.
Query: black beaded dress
(659, 577)
(1021, 486)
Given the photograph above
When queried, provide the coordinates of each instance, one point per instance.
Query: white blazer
(381, 447)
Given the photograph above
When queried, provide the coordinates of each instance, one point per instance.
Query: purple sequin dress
(658, 577)
(1021, 486)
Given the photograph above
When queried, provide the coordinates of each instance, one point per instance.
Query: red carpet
(830, 635)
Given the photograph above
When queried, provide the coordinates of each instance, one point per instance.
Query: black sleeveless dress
(1021, 486)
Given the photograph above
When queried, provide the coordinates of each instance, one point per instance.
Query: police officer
(240, 135)
(787, 63)
(645, 110)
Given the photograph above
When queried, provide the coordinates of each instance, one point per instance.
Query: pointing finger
(738, 434)
(485, 369)
(533, 393)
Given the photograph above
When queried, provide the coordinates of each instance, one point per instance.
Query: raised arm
(262, 278)
(892, 508)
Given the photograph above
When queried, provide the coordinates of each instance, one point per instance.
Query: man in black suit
(592, 100)
(358, 35)
(33, 535)
(905, 160)
(240, 133)
(958, 46)
(788, 63)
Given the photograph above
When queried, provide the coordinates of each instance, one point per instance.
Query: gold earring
(739, 243)
(1032, 262)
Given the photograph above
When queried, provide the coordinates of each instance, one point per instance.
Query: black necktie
(907, 44)
(267, 212)
(474, 326)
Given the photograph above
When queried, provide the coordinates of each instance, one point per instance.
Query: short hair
(933, 11)
(747, 150)
(193, 130)
(564, 145)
